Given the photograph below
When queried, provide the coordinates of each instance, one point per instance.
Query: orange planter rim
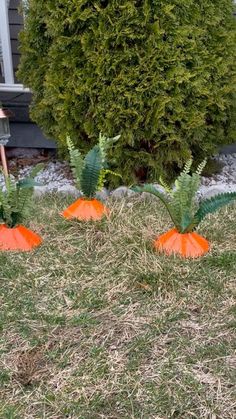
(187, 245)
(18, 238)
(84, 209)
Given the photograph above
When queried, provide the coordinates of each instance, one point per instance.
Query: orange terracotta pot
(86, 209)
(18, 238)
(188, 245)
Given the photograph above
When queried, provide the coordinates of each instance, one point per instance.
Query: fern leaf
(164, 199)
(76, 161)
(211, 205)
(183, 203)
(35, 170)
(27, 183)
(4, 207)
(187, 166)
(24, 203)
(102, 177)
(165, 185)
(105, 143)
(91, 172)
(8, 201)
(15, 201)
(103, 146)
(200, 167)
(25, 190)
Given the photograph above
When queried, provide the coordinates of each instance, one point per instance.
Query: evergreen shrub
(159, 72)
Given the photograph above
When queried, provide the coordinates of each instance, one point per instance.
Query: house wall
(24, 134)
(16, 24)
(17, 102)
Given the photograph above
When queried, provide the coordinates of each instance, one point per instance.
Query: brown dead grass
(95, 324)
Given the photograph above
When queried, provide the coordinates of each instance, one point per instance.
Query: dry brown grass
(95, 324)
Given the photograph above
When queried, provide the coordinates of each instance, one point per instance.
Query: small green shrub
(159, 72)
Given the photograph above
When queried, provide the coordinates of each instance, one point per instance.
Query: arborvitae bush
(160, 72)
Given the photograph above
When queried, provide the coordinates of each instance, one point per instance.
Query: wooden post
(4, 160)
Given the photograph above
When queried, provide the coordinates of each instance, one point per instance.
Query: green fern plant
(181, 202)
(16, 198)
(90, 171)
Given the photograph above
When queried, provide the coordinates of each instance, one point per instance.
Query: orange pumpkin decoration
(86, 209)
(18, 238)
(188, 245)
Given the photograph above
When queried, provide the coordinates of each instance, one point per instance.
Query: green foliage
(76, 161)
(161, 72)
(103, 175)
(90, 172)
(16, 199)
(183, 195)
(211, 205)
(181, 203)
(165, 200)
(213, 167)
(105, 144)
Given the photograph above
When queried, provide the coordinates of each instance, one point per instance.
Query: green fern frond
(35, 171)
(23, 199)
(103, 146)
(91, 172)
(27, 183)
(181, 202)
(149, 188)
(187, 167)
(11, 201)
(76, 161)
(200, 167)
(105, 143)
(5, 207)
(102, 177)
(15, 201)
(8, 203)
(25, 190)
(183, 199)
(211, 205)
(165, 185)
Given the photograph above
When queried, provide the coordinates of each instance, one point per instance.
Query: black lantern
(4, 137)
(4, 127)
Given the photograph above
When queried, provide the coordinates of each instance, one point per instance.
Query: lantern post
(4, 137)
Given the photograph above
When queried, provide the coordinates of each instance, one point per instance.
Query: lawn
(95, 324)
